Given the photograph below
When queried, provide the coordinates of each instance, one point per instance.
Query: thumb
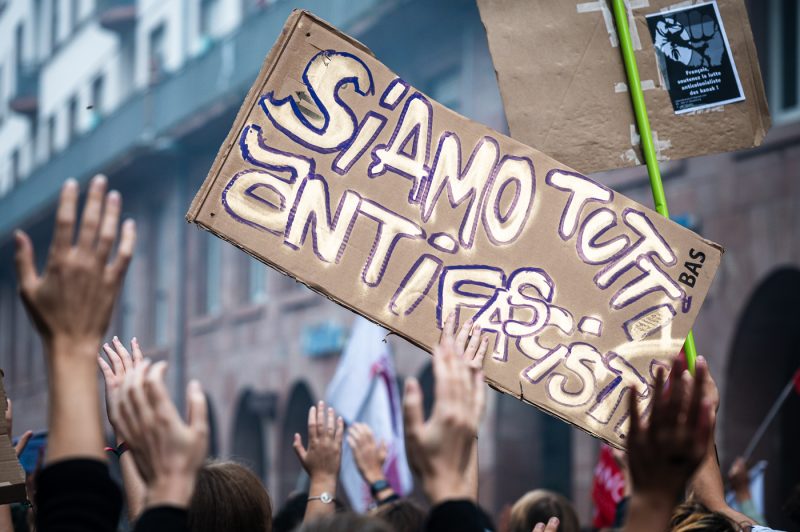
(23, 258)
(413, 416)
(197, 413)
(300, 451)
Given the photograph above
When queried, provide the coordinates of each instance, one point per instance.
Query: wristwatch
(324, 498)
(378, 486)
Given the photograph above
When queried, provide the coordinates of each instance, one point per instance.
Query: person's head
(692, 516)
(404, 515)
(228, 496)
(538, 506)
(346, 522)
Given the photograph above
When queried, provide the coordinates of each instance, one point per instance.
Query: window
(72, 119)
(208, 13)
(127, 308)
(74, 13)
(208, 275)
(157, 54)
(51, 136)
(258, 281)
(54, 23)
(251, 280)
(16, 172)
(160, 261)
(19, 41)
(2, 97)
(96, 105)
(784, 62)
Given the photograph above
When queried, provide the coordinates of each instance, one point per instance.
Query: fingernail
(113, 196)
(553, 521)
(70, 183)
(99, 179)
(539, 527)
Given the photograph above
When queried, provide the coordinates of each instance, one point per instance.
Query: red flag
(608, 489)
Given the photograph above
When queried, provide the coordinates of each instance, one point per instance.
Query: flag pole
(776, 407)
(646, 135)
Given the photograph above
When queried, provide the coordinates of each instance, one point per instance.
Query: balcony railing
(26, 96)
(117, 15)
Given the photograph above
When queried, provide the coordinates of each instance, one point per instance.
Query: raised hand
(120, 362)
(551, 526)
(440, 449)
(664, 453)
(71, 301)
(322, 458)
(468, 344)
(369, 456)
(168, 451)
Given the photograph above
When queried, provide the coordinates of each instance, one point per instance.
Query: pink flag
(364, 389)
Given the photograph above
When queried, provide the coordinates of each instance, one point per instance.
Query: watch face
(326, 497)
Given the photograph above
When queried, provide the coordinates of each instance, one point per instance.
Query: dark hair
(538, 506)
(229, 497)
(691, 515)
(404, 515)
(346, 522)
(291, 513)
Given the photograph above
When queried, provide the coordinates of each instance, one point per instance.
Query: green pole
(643, 123)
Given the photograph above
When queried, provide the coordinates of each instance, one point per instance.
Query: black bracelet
(378, 486)
(119, 449)
(391, 498)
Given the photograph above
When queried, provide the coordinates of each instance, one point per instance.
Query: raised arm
(664, 453)
(70, 304)
(168, 451)
(707, 486)
(440, 450)
(120, 362)
(470, 346)
(370, 457)
(321, 459)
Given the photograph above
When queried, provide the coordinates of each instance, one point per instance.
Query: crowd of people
(170, 485)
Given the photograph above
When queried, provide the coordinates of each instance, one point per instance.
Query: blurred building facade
(145, 91)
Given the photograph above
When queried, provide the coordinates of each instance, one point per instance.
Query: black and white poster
(694, 57)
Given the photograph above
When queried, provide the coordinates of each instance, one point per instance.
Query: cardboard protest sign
(565, 92)
(12, 477)
(340, 174)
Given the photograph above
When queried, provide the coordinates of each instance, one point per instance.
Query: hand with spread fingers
(664, 453)
(168, 451)
(370, 457)
(440, 450)
(469, 343)
(321, 459)
(368, 454)
(120, 363)
(70, 302)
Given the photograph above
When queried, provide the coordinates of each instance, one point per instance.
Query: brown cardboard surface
(564, 88)
(581, 290)
(12, 477)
